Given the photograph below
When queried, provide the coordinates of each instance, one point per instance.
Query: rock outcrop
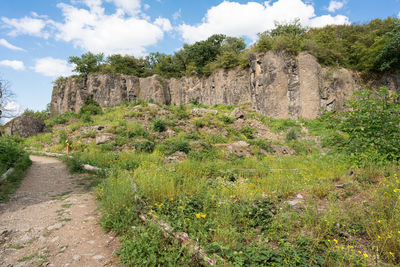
(275, 84)
(24, 126)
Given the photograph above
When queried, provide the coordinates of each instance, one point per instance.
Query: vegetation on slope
(371, 47)
(297, 193)
(12, 155)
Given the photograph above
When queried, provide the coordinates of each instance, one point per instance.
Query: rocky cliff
(275, 84)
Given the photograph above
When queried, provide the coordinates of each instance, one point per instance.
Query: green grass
(11, 184)
(237, 207)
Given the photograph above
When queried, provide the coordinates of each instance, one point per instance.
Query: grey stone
(25, 126)
(237, 113)
(104, 138)
(55, 226)
(202, 111)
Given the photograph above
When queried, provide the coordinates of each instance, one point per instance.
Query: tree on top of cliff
(389, 58)
(87, 63)
(127, 65)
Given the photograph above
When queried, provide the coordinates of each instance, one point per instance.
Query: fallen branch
(5, 175)
(183, 238)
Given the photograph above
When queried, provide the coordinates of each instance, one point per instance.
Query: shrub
(177, 144)
(291, 135)
(159, 125)
(86, 118)
(10, 152)
(91, 107)
(226, 119)
(199, 123)
(248, 132)
(144, 146)
(60, 118)
(373, 123)
(74, 165)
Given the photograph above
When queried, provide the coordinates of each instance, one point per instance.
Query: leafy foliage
(10, 152)
(43, 115)
(87, 63)
(91, 107)
(373, 124)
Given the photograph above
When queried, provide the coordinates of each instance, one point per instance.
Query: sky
(38, 37)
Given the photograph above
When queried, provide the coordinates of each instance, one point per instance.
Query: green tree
(87, 63)
(372, 122)
(389, 57)
(128, 65)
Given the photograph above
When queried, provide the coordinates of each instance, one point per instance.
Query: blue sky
(37, 37)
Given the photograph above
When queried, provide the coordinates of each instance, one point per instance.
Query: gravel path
(52, 221)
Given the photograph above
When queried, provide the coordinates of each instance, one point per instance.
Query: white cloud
(52, 67)
(235, 19)
(131, 7)
(127, 31)
(6, 44)
(27, 25)
(146, 6)
(177, 15)
(93, 30)
(15, 64)
(11, 110)
(328, 20)
(398, 16)
(335, 5)
(165, 24)
(13, 107)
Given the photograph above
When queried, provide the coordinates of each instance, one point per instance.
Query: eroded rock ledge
(275, 84)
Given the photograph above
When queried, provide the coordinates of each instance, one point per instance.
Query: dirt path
(52, 221)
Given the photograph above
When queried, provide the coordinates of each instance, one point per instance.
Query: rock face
(24, 126)
(275, 84)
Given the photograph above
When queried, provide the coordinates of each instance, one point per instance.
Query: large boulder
(25, 126)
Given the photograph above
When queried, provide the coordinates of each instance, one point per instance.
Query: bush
(91, 107)
(373, 123)
(291, 135)
(226, 119)
(60, 118)
(159, 125)
(177, 144)
(144, 146)
(10, 152)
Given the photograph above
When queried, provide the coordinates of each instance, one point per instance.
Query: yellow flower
(335, 241)
(391, 254)
(378, 221)
(200, 215)
(365, 255)
(180, 207)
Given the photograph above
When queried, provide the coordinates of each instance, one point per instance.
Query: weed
(159, 125)
(291, 135)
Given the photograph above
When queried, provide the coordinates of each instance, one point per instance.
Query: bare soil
(52, 221)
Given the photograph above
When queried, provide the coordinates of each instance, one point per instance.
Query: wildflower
(335, 241)
(181, 207)
(200, 215)
(365, 255)
(391, 254)
(378, 221)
